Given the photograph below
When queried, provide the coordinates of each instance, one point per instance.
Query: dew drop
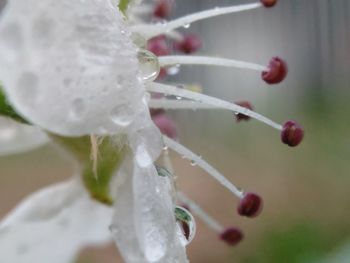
(163, 172)
(187, 25)
(120, 115)
(193, 163)
(149, 65)
(186, 225)
(173, 70)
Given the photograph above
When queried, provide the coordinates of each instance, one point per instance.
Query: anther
(277, 71)
(250, 205)
(269, 3)
(189, 44)
(232, 236)
(158, 46)
(165, 125)
(163, 8)
(292, 133)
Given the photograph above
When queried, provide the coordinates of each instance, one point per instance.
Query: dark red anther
(250, 205)
(277, 71)
(232, 236)
(163, 8)
(189, 44)
(292, 133)
(158, 46)
(268, 3)
(165, 125)
(244, 104)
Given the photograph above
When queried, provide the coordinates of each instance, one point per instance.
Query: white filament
(198, 211)
(150, 31)
(166, 89)
(180, 149)
(170, 104)
(209, 61)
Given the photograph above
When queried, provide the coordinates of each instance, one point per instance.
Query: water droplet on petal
(186, 225)
(120, 115)
(149, 65)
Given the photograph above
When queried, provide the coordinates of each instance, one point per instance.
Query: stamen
(170, 90)
(182, 150)
(150, 31)
(170, 104)
(209, 61)
(198, 211)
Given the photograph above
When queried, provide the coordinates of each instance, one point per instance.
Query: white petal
(144, 224)
(16, 138)
(123, 227)
(70, 66)
(52, 226)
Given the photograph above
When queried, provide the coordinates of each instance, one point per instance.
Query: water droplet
(240, 190)
(163, 172)
(78, 109)
(186, 225)
(121, 115)
(149, 65)
(187, 25)
(174, 70)
(193, 163)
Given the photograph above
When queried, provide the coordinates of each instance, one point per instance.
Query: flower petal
(70, 66)
(144, 223)
(53, 224)
(17, 138)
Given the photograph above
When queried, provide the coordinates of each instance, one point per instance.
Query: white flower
(75, 68)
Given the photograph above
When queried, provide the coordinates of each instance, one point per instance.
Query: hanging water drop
(163, 172)
(173, 70)
(193, 163)
(149, 65)
(187, 25)
(186, 225)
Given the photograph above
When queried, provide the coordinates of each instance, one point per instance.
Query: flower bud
(189, 44)
(244, 104)
(232, 236)
(277, 71)
(268, 3)
(250, 205)
(292, 133)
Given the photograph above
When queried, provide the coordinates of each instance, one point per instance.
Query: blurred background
(306, 215)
